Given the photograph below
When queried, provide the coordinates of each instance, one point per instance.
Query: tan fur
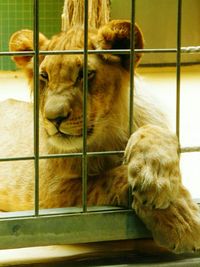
(73, 13)
(151, 156)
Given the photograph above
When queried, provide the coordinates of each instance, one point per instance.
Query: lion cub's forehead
(65, 66)
(73, 39)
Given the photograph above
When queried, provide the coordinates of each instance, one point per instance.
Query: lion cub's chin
(66, 144)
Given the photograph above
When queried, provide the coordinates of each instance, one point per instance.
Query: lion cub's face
(62, 92)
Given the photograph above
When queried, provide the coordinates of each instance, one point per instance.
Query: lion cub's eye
(91, 74)
(44, 76)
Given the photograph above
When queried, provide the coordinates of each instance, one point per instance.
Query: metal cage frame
(70, 225)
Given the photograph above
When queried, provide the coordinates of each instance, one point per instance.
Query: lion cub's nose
(59, 120)
(57, 110)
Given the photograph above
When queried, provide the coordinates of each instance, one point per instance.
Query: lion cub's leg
(176, 227)
(160, 200)
(153, 166)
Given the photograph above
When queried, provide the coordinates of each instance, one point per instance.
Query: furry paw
(177, 227)
(153, 166)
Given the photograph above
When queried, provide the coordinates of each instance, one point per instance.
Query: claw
(144, 202)
(174, 247)
(134, 188)
(125, 161)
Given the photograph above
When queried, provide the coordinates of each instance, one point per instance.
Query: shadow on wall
(158, 21)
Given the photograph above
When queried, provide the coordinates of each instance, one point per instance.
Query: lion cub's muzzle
(61, 118)
(57, 109)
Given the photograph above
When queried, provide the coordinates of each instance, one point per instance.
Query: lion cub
(151, 154)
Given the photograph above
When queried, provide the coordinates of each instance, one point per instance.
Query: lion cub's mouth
(75, 135)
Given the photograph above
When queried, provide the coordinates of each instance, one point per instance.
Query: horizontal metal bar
(190, 149)
(89, 154)
(105, 153)
(190, 49)
(17, 53)
(68, 229)
(63, 52)
(67, 155)
(57, 211)
(17, 158)
(65, 211)
(50, 156)
(79, 155)
(109, 51)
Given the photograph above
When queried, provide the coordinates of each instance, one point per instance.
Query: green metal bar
(36, 103)
(190, 149)
(178, 67)
(59, 211)
(21, 53)
(16, 158)
(79, 52)
(114, 51)
(68, 229)
(189, 49)
(132, 57)
(79, 155)
(85, 94)
(89, 154)
(131, 92)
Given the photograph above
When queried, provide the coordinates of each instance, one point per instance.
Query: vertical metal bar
(36, 103)
(132, 56)
(85, 93)
(178, 67)
(131, 95)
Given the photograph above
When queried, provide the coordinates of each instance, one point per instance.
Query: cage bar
(131, 90)
(132, 56)
(36, 103)
(85, 93)
(178, 67)
(186, 50)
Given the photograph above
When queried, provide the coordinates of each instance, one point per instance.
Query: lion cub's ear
(116, 35)
(23, 41)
